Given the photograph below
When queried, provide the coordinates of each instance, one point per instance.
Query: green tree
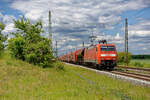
(31, 32)
(29, 45)
(17, 46)
(39, 53)
(121, 57)
(2, 37)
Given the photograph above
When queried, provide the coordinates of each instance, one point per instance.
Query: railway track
(134, 68)
(144, 71)
(138, 73)
(133, 75)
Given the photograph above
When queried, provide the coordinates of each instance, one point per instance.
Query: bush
(39, 54)
(1, 46)
(2, 38)
(59, 65)
(121, 57)
(1, 49)
(138, 64)
(16, 47)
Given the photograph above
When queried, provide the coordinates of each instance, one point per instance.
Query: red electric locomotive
(101, 55)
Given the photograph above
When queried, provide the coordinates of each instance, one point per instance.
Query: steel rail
(126, 67)
(134, 75)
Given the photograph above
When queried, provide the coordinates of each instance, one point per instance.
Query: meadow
(141, 63)
(22, 81)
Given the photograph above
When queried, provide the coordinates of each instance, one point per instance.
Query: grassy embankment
(22, 81)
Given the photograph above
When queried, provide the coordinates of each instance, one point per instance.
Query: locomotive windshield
(107, 48)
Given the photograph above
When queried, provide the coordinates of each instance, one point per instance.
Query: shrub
(138, 64)
(39, 53)
(121, 57)
(16, 47)
(2, 38)
(59, 65)
(1, 46)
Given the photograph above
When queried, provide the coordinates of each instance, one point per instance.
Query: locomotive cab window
(107, 48)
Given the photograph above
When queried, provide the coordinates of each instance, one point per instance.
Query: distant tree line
(140, 56)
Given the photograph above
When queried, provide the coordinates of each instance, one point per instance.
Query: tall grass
(145, 63)
(141, 63)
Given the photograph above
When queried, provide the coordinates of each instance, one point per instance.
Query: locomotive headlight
(113, 55)
(103, 55)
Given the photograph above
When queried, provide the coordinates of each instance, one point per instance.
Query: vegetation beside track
(134, 60)
(22, 81)
(145, 63)
(141, 63)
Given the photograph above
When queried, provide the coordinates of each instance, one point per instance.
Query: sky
(73, 21)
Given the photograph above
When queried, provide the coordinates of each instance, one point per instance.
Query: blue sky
(73, 21)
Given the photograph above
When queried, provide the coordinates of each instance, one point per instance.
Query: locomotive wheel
(98, 67)
(111, 68)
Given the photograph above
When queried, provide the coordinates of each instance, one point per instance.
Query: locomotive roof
(101, 45)
(107, 44)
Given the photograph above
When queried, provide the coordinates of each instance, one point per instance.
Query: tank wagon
(102, 56)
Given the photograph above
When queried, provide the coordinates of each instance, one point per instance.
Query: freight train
(101, 56)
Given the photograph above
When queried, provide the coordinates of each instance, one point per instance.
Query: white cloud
(77, 10)
(9, 28)
(140, 29)
(8, 21)
(118, 36)
(34, 15)
(139, 33)
(71, 18)
(109, 21)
